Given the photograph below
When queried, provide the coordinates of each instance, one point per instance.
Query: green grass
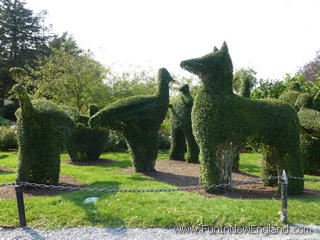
(166, 209)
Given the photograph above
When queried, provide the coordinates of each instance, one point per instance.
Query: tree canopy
(22, 39)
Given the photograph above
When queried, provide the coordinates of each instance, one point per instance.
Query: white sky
(272, 36)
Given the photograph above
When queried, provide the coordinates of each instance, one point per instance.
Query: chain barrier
(187, 188)
(7, 184)
(304, 179)
(284, 184)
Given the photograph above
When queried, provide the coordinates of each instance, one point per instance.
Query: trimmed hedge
(223, 122)
(86, 144)
(182, 138)
(42, 129)
(138, 118)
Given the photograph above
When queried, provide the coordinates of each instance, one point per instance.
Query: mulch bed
(182, 174)
(9, 192)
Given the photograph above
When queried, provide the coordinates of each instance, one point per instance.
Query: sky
(274, 37)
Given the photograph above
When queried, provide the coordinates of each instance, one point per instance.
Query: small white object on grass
(90, 200)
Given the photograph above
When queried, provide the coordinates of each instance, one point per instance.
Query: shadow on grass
(93, 214)
(173, 179)
(2, 156)
(6, 172)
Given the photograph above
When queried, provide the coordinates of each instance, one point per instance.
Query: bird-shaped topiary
(138, 118)
(182, 138)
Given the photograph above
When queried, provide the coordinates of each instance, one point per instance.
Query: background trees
(70, 79)
(22, 39)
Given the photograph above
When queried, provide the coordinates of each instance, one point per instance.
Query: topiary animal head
(184, 89)
(215, 69)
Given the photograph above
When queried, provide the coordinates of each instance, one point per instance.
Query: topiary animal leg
(143, 146)
(192, 147)
(269, 165)
(178, 144)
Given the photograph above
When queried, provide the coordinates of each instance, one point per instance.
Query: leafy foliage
(244, 79)
(69, 79)
(22, 38)
(138, 118)
(42, 129)
(182, 138)
(268, 89)
(222, 122)
(8, 137)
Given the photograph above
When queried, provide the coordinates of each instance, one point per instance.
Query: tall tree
(74, 80)
(22, 39)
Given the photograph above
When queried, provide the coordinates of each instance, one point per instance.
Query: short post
(20, 203)
(284, 198)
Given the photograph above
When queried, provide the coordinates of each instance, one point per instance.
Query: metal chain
(7, 184)
(188, 188)
(52, 187)
(304, 179)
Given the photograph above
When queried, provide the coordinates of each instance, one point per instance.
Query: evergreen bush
(85, 143)
(8, 138)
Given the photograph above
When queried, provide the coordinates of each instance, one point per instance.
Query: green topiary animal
(86, 143)
(182, 138)
(222, 122)
(139, 119)
(309, 118)
(42, 129)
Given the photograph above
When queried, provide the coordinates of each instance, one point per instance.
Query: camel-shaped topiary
(222, 122)
(42, 129)
(139, 119)
(181, 130)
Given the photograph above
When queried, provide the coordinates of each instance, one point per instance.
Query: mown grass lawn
(164, 209)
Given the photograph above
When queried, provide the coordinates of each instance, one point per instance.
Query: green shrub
(4, 122)
(310, 149)
(138, 118)
(8, 138)
(42, 129)
(116, 142)
(304, 100)
(86, 144)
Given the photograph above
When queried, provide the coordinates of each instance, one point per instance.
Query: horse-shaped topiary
(222, 122)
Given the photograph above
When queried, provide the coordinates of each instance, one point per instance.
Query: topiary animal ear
(224, 47)
(215, 49)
